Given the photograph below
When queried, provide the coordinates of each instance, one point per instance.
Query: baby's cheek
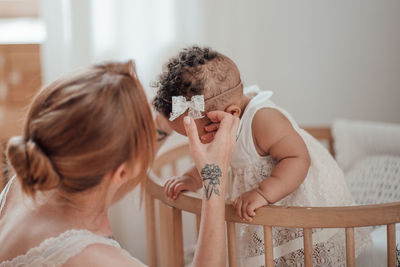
(201, 123)
(177, 126)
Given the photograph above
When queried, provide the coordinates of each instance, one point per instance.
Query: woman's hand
(213, 158)
(212, 161)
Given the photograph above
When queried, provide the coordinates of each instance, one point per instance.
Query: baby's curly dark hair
(194, 70)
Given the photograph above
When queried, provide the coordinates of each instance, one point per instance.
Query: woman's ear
(122, 174)
(234, 110)
(119, 176)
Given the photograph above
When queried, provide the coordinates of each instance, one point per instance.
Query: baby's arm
(274, 135)
(190, 181)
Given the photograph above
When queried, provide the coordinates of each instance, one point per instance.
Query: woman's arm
(212, 163)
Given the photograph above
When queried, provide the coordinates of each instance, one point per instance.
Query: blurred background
(323, 59)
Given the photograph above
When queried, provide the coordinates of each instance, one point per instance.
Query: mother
(89, 138)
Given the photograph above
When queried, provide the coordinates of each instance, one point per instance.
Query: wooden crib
(170, 218)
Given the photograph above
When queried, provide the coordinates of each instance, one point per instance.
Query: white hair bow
(180, 105)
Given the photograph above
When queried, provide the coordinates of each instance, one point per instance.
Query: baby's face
(177, 125)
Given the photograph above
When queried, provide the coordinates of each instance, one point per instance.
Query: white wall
(324, 59)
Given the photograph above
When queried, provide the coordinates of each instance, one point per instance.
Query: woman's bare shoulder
(100, 255)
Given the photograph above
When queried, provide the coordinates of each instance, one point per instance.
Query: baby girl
(275, 161)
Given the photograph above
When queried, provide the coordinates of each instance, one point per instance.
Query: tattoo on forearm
(211, 175)
(162, 135)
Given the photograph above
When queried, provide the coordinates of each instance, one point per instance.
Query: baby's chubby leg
(189, 181)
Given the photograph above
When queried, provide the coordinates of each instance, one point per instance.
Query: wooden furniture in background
(171, 244)
(20, 79)
(19, 8)
(20, 74)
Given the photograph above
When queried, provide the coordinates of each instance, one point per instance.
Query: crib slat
(166, 236)
(307, 238)
(178, 237)
(391, 245)
(268, 247)
(232, 251)
(151, 231)
(350, 249)
(198, 218)
(174, 169)
(171, 236)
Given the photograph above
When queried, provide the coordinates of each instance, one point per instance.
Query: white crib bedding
(376, 255)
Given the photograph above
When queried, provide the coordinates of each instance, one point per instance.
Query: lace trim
(329, 253)
(398, 255)
(55, 251)
(4, 193)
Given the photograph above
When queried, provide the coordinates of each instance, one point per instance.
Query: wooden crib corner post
(150, 231)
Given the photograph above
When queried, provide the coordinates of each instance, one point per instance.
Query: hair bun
(32, 166)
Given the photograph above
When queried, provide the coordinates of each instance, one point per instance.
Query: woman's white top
(56, 251)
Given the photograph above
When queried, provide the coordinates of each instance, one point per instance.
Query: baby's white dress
(323, 186)
(56, 251)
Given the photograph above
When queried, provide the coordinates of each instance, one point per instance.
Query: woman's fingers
(235, 126)
(217, 115)
(208, 137)
(227, 121)
(212, 127)
(191, 132)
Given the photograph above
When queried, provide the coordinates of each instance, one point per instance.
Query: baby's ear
(234, 110)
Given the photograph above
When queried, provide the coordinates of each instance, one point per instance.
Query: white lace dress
(323, 186)
(56, 251)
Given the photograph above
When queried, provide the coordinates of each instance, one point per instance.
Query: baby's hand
(247, 203)
(174, 186)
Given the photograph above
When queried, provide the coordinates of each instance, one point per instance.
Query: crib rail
(291, 217)
(271, 216)
(307, 218)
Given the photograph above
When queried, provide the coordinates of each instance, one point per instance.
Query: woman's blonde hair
(83, 126)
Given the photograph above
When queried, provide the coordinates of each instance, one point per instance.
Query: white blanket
(357, 139)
